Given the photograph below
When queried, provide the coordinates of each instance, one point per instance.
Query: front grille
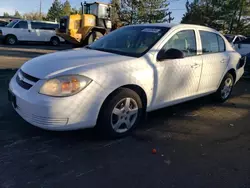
(31, 78)
(24, 80)
(23, 84)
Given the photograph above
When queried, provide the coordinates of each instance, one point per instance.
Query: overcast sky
(23, 6)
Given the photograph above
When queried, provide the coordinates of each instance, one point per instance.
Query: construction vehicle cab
(83, 29)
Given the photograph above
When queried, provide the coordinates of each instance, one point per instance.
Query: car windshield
(229, 37)
(11, 24)
(132, 41)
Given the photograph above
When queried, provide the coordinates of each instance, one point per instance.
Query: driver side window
(21, 25)
(184, 41)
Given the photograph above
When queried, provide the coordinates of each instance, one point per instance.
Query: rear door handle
(196, 65)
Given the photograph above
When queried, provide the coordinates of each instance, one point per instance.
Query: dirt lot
(199, 144)
(15, 56)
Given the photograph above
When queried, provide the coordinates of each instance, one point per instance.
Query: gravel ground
(199, 144)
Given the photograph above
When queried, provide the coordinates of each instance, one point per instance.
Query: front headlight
(65, 85)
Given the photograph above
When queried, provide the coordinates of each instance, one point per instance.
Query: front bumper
(52, 113)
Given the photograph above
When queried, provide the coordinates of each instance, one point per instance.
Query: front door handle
(196, 65)
(223, 61)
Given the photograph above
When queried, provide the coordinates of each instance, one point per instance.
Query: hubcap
(226, 90)
(124, 115)
(11, 41)
(54, 42)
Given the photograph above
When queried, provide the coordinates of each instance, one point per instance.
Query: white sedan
(113, 82)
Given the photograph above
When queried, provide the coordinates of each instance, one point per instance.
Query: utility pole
(169, 19)
(40, 12)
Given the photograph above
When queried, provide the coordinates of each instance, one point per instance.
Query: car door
(21, 31)
(215, 60)
(180, 78)
(46, 32)
(37, 31)
(51, 30)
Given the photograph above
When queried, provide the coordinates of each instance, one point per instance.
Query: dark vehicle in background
(234, 38)
(243, 47)
(3, 23)
(247, 67)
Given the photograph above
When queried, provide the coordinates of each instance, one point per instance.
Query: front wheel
(11, 40)
(225, 89)
(121, 113)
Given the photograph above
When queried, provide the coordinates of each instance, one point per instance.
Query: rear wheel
(94, 35)
(54, 41)
(11, 40)
(225, 89)
(120, 114)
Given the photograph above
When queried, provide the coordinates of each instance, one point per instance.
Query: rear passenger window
(44, 26)
(222, 47)
(184, 41)
(22, 25)
(209, 42)
(212, 42)
(36, 25)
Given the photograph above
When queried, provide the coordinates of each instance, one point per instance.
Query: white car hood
(55, 63)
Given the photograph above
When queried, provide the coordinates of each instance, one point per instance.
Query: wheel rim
(54, 42)
(12, 41)
(226, 90)
(124, 115)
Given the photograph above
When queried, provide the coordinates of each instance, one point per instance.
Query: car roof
(231, 35)
(38, 21)
(167, 25)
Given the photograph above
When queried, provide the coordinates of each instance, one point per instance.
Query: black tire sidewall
(104, 121)
(11, 37)
(55, 39)
(93, 35)
(218, 96)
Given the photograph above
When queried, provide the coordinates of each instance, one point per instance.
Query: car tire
(93, 36)
(11, 40)
(120, 113)
(225, 89)
(54, 41)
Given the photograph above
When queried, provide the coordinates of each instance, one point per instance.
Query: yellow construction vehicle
(83, 29)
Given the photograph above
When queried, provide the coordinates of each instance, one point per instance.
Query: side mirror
(170, 54)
